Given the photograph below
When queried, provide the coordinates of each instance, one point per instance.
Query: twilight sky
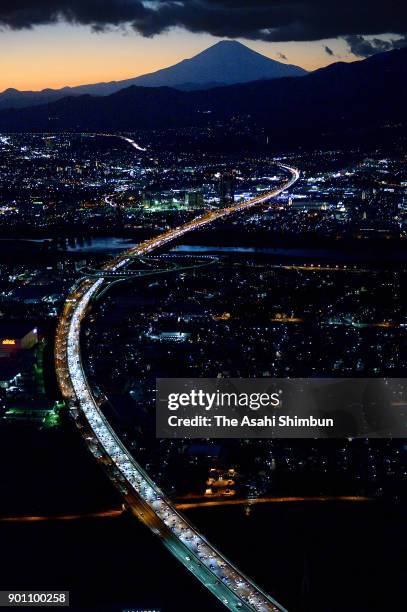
(52, 43)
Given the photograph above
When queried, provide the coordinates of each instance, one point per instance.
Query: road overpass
(141, 495)
(173, 265)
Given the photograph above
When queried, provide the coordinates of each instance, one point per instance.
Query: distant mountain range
(225, 63)
(368, 95)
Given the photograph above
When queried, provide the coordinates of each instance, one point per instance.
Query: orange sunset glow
(55, 56)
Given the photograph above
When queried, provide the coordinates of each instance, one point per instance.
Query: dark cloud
(328, 50)
(282, 56)
(270, 20)
(20, 14)
(363, 47)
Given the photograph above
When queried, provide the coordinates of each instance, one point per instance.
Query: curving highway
(141, 495)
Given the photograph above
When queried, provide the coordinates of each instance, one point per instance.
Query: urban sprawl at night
(231, 217)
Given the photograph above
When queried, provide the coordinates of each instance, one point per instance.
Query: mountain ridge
(345, 97)
(224, 63)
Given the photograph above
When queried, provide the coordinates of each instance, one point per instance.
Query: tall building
(226, 189)
(147, 200)
(194, 199)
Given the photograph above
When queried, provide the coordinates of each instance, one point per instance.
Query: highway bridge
(173, 263)
(141, 495)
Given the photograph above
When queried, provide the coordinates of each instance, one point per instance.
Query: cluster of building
(249, 316)
(309, 285)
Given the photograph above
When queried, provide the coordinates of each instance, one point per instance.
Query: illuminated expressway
(141, 495)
